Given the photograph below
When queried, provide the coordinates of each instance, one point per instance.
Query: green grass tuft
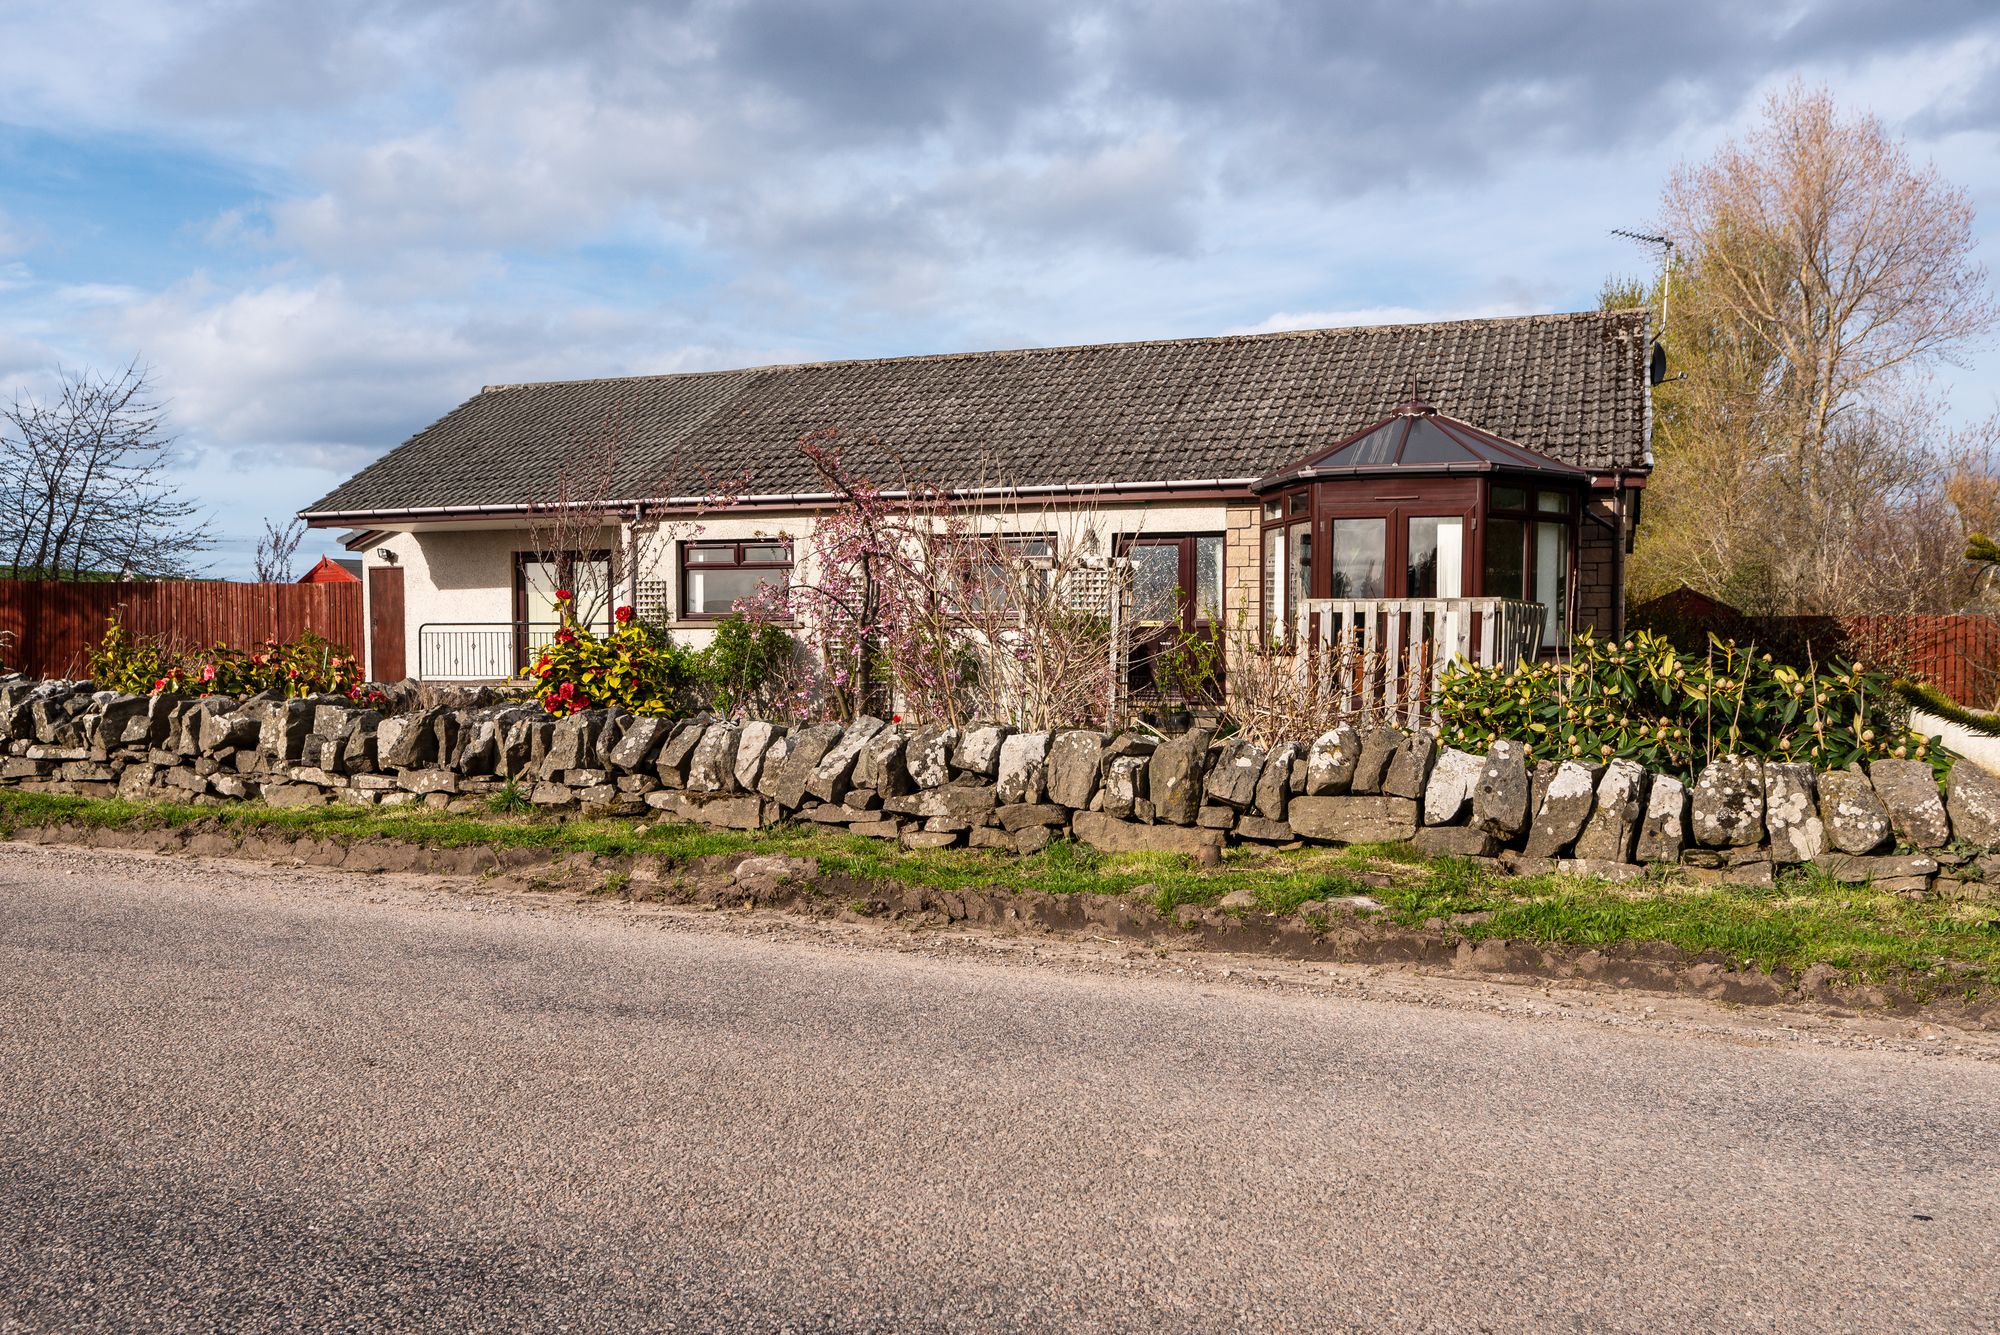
(1808, 919)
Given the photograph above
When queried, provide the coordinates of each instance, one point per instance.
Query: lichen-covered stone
(1076, 763)
(752, 745)
(1663, 829)
(1232, 777)
(1854, 818)
(1274, 788)
(978, 749)
(677, 752)
(1354, 820)
(1791, 813)
(1330, 761)
(1378, 748)
(1726, 809)
(1174, 776)
(927, 755)
(1448, 794)
(414, 743)
(831, 776)
(1108, 834)
(1613, 829)
(1500, 799)
(1410, 767)
(775, 756)
(574, 744)
(1023, 762)
(712, 767)
(1908, 788)
(1459, 841)
(638, 744)
(881, 766)
(1972, 800)
(809, 746)
(1565, 808)
(1124, 785)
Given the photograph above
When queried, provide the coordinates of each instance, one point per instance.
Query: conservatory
(1422, 509)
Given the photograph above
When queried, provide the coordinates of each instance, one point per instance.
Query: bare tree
(1826, 274)
(598, 526)
(276, 549)
(84, 484)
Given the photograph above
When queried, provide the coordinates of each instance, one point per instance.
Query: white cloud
(1374, 315)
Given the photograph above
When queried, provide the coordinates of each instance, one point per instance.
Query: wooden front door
(1176, 593)
(385, 624)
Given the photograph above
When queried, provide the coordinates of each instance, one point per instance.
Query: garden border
(749, 880)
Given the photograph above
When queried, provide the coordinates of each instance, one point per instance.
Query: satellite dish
(1657, 370)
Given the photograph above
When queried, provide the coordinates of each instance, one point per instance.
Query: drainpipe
(632, 554)
(1618, 560)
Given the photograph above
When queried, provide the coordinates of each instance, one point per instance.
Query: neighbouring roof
(332, 571)
(1233, 408)
(1416, 438)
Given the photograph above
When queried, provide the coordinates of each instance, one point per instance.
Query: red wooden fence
(46, 625)
(1957, 653)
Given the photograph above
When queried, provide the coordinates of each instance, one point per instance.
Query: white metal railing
(475, 651)
(1383, 656)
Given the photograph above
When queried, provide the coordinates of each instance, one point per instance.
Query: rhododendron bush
(635, 667)
(308, 665)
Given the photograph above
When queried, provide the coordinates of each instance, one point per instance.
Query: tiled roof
(1236, 407)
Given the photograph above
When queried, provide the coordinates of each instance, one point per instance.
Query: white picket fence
(1383, 656)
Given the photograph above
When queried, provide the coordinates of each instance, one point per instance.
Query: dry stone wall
(992, 786)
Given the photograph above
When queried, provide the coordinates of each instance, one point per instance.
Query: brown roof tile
(1571, 386)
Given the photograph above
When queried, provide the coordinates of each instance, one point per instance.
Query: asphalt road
(238, 1098)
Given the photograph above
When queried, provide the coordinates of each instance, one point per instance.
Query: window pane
(1298, 502)
(1505, 539)
(1552, 502)
(714, 592)
(1358, 557)
(1298, 567)
(539, 582)
(1208, 578)
(1510, 498)
(1552, 579)
(1156, 574)
(1277, 606)
(1436, 557)
(1273, 509)
(712, 556)
(766, 553)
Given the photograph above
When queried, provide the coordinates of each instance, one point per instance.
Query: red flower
(623, 614)
(564, 596)
(566, 635)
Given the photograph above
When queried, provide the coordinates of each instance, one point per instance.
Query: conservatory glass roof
(1417, 438)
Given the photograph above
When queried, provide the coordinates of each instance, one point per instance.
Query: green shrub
(636, 667)
(741, 659)
(1644, 700)
(142, 665)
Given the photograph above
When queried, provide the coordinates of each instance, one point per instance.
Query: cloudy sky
(323, 225)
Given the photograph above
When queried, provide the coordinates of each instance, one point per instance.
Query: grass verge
(1807, 919)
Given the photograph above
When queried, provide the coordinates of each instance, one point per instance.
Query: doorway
(1176, 616)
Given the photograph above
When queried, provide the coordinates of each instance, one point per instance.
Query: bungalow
(1243, 476)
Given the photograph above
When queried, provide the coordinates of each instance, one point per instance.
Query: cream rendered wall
(1070, 523)
(454, 575)
(465, 573)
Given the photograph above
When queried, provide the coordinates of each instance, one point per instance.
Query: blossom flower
(566, 635)
(624, 614)
(565, 596)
